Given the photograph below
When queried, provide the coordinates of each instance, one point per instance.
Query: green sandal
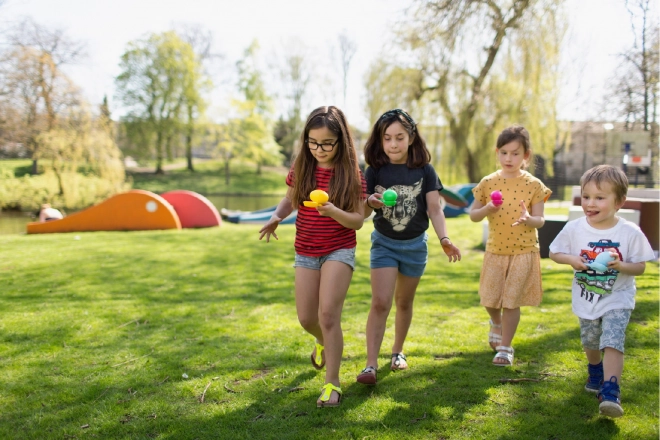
(318, 360)
(324, 399)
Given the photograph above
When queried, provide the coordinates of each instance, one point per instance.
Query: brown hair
(374, 154)
(516, 133)
(345, 188)
(610, 174)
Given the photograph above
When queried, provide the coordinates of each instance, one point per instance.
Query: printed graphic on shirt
(405, 209)
(593, 283)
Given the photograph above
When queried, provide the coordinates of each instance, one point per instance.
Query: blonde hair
(609, 174)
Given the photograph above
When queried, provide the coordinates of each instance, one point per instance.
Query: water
(15, 222)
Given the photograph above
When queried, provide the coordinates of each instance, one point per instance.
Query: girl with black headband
(399, 160)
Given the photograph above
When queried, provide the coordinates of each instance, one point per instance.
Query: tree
(201, 42)
(79, 141)
(633, 92)
(443, 37)
(347, 49)
(31, 79)
(160, 74)
(295, 76)
(253, 135)
(389, 86)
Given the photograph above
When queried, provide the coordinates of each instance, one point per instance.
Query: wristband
(446, 238)
(369, 204)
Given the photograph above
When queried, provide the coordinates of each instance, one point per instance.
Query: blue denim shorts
(409, 256)
(344, 255)
(607, 331)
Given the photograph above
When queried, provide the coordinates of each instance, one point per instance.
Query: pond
(15, 222)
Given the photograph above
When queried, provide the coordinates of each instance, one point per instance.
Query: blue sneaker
(608, 396)
(595, 379)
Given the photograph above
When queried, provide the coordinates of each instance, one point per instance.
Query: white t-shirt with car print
(595, 293)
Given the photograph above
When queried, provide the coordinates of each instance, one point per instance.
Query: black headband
(398, 111)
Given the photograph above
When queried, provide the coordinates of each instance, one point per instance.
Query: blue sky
(599, 29)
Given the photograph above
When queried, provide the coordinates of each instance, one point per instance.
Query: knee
(308, 322)
(328, 320)
(404, 306)
(381, 306)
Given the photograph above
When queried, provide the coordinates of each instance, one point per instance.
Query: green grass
(209, 178)
(97, 330)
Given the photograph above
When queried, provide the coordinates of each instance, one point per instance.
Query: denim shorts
(607, 331)
(409, 256)
(344, 255)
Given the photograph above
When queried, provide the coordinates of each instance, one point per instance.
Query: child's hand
(269, 228)
(578, 263)
(492, 208)
(616, 263)
(451, 251)
(326, 209)
(524, 215)
(375, 201)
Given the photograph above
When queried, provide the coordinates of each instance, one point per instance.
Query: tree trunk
(159, 154)
(189, 151)
(227, 172)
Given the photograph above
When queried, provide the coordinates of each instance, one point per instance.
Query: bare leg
(335, 279)
(510, 320)
(612, 364)
(593, 356)
(383, 281)
(307, 301)
(404, 295)
(496, 317)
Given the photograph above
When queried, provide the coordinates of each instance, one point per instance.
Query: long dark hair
(345, 189)
(374, 154)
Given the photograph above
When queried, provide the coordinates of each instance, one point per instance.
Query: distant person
(325, 235)
(511, 271)
(603, 296)
(399, 161)
(48, 213)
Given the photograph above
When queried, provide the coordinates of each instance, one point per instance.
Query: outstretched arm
(284, 208)
(440, 226)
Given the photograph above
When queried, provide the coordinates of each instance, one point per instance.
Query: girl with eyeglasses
(325, 235)
(399, 160)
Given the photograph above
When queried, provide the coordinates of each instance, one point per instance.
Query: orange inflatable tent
(134, 210)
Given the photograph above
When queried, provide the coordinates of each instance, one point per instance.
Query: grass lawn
(209, 178)
(193, 335)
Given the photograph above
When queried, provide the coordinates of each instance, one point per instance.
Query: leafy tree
(160, 74)
(456, 44)
(32, 82)
(200, 82)
(253, 129)
(390, 86)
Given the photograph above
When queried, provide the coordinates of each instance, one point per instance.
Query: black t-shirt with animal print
(408, 218)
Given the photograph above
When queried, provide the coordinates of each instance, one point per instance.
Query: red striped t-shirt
(317, 235)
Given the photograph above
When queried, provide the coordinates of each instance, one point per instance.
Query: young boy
(603, 296)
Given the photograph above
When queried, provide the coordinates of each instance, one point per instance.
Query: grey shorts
(344, 255)
(607, 331)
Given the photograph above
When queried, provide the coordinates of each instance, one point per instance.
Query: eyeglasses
(398, 111)
(325, 147)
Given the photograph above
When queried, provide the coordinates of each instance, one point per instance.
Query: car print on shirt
(594, 284)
